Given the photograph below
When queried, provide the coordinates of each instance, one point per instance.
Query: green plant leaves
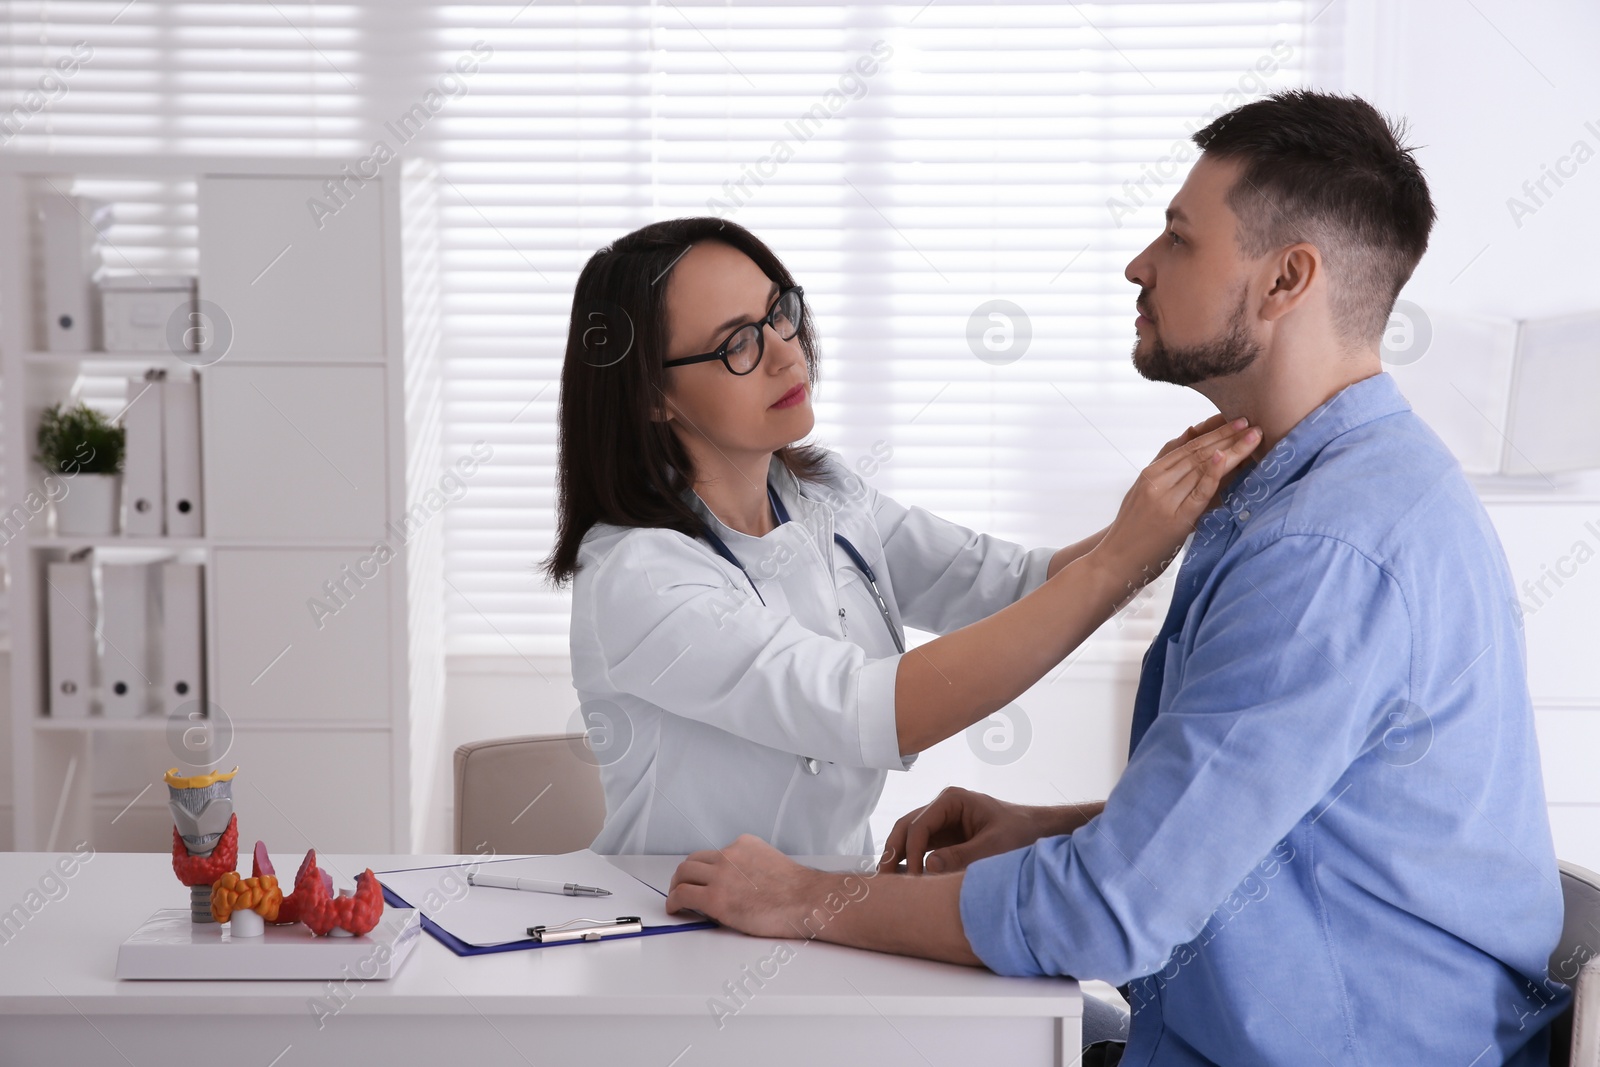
(78, 440)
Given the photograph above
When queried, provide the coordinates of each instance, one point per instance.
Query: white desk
(639, 1001)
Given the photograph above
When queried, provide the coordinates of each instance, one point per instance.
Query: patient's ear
(1297, 270)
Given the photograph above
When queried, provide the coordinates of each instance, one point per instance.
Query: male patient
(1330, 843)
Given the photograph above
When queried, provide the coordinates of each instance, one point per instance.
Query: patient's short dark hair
(1331, 171)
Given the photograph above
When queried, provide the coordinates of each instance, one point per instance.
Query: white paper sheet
(657, 871)
(483, 916)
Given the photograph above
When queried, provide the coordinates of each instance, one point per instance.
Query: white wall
(1494, 91)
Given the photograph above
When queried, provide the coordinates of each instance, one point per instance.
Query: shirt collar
(1355, 405)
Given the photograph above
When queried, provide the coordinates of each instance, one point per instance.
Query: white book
(69, 610)
(129, 626)
(181, 454)
(67, 229)
(182, 640)
(143, 465)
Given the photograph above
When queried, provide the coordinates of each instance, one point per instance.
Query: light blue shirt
(1330, 844)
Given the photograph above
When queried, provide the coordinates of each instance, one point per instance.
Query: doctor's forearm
(1073, 551)
(953, 681)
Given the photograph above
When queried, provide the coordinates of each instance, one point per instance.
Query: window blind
(958, 186)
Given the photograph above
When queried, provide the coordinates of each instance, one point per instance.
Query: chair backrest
(536, 795)
(1576, 961)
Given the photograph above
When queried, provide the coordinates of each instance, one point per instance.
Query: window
(957, 186)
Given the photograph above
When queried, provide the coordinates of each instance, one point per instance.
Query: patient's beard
(1229, 353)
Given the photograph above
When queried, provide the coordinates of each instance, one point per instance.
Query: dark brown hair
(615, 463)
(1331, 171)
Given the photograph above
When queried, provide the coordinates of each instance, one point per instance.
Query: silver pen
(536, 885)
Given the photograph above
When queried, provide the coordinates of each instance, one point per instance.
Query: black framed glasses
(741, 353)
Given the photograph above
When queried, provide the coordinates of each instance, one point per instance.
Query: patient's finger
(917, 835)
(933, 826)
(692, 872)
(895, 845)
(689, 896)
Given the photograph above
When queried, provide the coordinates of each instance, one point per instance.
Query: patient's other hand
(962, 826)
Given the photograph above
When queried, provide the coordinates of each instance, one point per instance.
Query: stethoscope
(811, 764)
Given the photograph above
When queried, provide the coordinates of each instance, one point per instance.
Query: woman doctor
(738, 599)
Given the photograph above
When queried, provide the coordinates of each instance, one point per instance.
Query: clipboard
(590, 931)
(607, 930)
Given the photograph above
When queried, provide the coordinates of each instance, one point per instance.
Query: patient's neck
(1287, 383)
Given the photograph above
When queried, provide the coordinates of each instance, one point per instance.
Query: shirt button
(1244, 516)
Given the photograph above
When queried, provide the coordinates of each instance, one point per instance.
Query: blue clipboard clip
(594, 931)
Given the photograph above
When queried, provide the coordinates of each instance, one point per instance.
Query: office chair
(537, 795)
(1576, 961)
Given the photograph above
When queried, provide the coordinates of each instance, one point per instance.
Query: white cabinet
(290, 649)
(295, 452)
(319, 431)
(1552, 542)
(1554, 552)
(293, 282)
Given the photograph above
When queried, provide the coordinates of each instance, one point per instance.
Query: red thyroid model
(205, 870)
(314, 904)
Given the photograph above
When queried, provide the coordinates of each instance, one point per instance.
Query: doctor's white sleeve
(676, 627)
(945, 576)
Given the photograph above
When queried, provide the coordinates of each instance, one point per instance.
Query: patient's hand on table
(749, 886)
(961, 826)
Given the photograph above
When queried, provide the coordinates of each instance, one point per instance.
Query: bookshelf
(320, 430)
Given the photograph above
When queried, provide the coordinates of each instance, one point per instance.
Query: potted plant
(84, 449)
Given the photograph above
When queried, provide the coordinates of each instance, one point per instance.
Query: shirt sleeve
(674, 629)
(1302, 645)
(945, 576)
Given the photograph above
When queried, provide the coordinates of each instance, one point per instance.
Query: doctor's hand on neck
(953, 681)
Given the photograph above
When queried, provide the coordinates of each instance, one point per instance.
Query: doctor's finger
(1198, 430)
(1200, 446)
(1199, 458)
(1202, 492)
(1203, 477)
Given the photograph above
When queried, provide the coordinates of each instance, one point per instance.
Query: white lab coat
(704, 704)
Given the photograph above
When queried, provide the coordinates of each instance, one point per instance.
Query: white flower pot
(90, 505)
